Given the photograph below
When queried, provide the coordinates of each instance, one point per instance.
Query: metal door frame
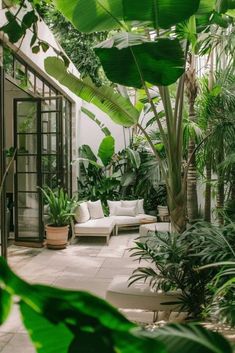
(59, 158)
(38, 163)
(3, 237)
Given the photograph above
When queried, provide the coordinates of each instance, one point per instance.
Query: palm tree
(191, 93)
(216, 109)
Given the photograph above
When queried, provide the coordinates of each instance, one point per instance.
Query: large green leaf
(160, 63)
(5, 305)
(119, 109)
(48, 336)
(134, 157)
(61, 321)
(106, 150)
(85, 151)
(191, 339)
(161, 13)
(93, 15)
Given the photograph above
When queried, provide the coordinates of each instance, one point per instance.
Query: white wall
(85, 131)
(90, 133)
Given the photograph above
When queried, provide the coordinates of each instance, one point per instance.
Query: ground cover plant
(175, 262)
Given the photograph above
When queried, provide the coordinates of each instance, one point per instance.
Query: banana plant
(133, 59)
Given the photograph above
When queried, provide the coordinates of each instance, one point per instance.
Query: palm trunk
(177, 201)
(191, 92)
(177, 212)
(220, 187)
(192, 198)
(207, 205)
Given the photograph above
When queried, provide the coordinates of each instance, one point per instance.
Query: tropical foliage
(60, 206)
(174, 262)
(69, 321)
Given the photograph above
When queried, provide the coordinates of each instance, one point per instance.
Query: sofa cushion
(125, 211)
(129, 203)
(140, 296)
(95, 209)
(125, 220)
(112, 206)
(139, 204)
(82, 213)
(95, 226)
(146, 217)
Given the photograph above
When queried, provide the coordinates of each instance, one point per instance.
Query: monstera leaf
(102, 15)
(160, 63)
(119, 108)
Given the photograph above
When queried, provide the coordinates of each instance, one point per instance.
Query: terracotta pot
(57, 237)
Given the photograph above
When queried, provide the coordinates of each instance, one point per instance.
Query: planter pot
(57, 237)
(163, 213)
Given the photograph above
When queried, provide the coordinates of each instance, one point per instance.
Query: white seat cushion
(125, 220)
(139, 296)
(153, 227)
(95, 226)
(146, 217)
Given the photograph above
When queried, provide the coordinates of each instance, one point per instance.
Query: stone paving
(86, 265)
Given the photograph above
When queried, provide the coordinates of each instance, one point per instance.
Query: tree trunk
(220, 187)
(192, 198)
(191, 92)
(177, 211)
(207, 206)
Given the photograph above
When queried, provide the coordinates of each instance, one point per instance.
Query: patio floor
(86, 265)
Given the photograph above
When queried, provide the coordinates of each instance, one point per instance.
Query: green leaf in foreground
(191, 338)
(119, 108)
(5, 305)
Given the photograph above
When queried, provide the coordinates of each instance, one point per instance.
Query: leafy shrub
(175, 260)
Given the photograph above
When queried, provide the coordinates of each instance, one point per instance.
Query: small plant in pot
(60, 213)
(162, 207)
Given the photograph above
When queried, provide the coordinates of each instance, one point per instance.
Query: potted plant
(60, 213)
(162, 207)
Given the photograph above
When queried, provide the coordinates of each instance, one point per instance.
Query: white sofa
(88, 225)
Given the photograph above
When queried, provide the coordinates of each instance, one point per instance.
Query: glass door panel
(28, 209)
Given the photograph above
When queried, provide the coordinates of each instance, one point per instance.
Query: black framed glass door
(3, 208)
(39, 160)
(27, 197)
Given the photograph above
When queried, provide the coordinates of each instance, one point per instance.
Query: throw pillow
(112, 206)
(131, 203)
(140, 206)
(82, 213)
(125, 211)
(95, 209)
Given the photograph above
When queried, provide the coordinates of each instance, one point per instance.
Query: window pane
(28, 215)
(27, 164)
(27, 182)
(26, 117)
